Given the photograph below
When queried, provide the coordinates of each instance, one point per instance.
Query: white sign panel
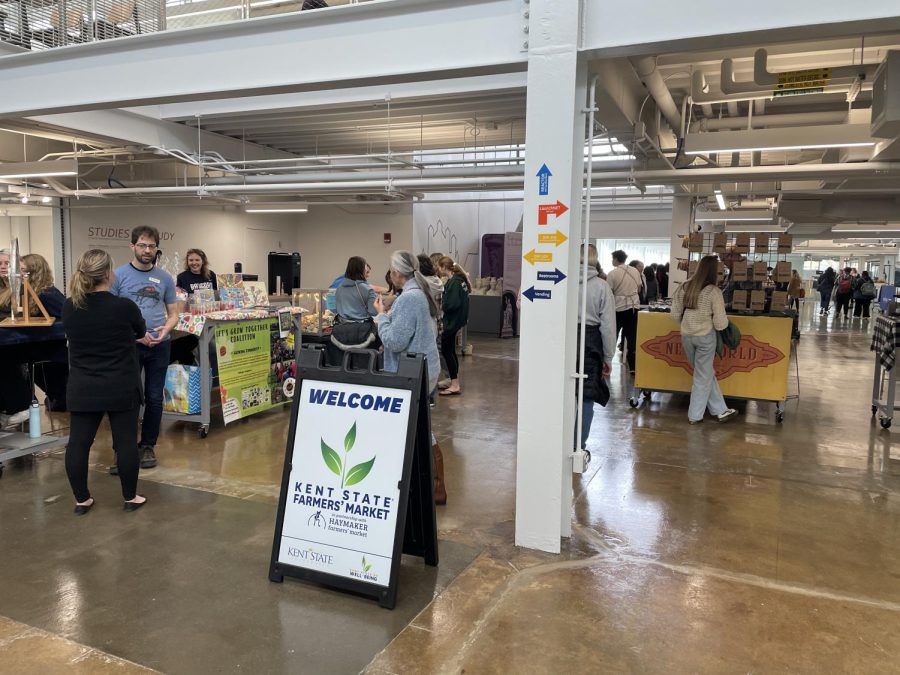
(340, 515)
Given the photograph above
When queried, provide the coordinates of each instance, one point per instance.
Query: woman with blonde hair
(455, 304)
(196, 275)
(699, 306)
(104, 376)
(40, 278)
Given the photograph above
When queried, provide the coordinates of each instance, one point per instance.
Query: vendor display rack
(755, 266)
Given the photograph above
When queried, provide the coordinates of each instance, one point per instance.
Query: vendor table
(15, 444)
(757, 370)
(204, 327)
(885, 339)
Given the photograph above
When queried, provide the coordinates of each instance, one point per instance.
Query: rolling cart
(885, 338)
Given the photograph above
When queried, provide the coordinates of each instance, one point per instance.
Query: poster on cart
(256, 367)
(348, 455)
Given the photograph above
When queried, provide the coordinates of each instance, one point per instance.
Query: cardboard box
(740, 271)
(785, 243)
(742, 242)
(739, 300)
(720, 242)
(762, 243)
(757, 300)
(695, 243)
(760, 271)
(782, 272)
(779, 300)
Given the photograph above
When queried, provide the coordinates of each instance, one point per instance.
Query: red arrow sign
(545, 210)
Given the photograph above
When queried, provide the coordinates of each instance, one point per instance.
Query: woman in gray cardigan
(410, 327)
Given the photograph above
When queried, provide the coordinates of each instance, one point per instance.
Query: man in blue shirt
(153, 291)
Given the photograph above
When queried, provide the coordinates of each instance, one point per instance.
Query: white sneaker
(727, 415)
(14, 420)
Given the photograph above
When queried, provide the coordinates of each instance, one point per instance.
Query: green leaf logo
(339, 467)
(350, 438)
(332, 459)
(366, 566)
(358, 472)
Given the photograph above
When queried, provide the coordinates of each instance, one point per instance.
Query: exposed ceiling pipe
(733, 109)
(760, 121)
(702, 92)
(815, 172)
(763, 78)
(646, 70)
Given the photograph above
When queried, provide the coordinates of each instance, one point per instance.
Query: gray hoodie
(601, 310)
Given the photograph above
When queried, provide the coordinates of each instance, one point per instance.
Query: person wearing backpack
(825, 286)
(843, 292)
(863, 294)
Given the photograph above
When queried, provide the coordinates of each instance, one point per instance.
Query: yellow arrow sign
(555, 238)
(534, 257)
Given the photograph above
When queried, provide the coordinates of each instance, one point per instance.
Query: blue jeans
(587, 417)
(705, 393)
(153, 361)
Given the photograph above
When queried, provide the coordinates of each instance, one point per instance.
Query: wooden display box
(785, 243)
(742, 242)
(762, 243)
(739, 300)
(740, 271)
(760, 271)
(720, 242)
(757, 300)
(779, 301)
(783, 272)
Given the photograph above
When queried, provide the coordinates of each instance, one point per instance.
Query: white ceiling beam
(783, 138)
(665, 26)
(317, 99)
(134, 129)
(363, 45)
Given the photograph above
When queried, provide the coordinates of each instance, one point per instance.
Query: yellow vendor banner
(758, 369)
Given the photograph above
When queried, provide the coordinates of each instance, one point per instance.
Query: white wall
(456, 228)
(327, 236)
(225, 234)
(35, 234)
(631, 222)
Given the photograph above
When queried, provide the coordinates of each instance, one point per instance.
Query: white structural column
(681, 224)
(551, 229)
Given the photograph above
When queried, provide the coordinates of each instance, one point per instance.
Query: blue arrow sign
(544, 180)
(555, 276)
(536, 294)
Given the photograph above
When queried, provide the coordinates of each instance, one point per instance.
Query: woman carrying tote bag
(354, 300)
(700, 308)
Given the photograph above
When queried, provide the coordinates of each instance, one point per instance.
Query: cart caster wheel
(587, 457)
(779, 417)
(204, 432)
(633, 402)
(885, 424)
(874, 410)
(646, 393)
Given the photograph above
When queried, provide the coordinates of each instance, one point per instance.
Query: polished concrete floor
(747, 547)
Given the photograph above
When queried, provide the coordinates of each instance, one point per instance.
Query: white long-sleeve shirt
(709, 314)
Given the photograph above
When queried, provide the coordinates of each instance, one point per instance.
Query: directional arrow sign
(537, 294)
(555, 238)
(556, 276)
(533, 256)
(544, 180)
(544, 210)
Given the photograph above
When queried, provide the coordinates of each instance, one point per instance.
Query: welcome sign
(357, 487)
(345, 480)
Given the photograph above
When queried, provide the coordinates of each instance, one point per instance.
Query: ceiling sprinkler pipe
(763, 78)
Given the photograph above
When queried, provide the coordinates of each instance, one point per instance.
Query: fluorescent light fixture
(720, 200)
(276, 207)
(738, 227)
(744, 215)
(24, 199)
(781, 139)
(56, 167)
(46, 200)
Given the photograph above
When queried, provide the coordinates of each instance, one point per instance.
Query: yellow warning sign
(803, 79)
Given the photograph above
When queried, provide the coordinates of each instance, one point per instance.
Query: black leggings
(842, 302)
(82, 431)
(448, 351)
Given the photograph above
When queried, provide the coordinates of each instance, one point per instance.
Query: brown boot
(440, 490)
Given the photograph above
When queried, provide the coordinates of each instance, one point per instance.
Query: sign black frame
(415, 532)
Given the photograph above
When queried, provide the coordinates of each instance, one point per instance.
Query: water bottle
(34, 420)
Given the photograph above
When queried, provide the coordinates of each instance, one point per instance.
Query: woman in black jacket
(104, 376)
